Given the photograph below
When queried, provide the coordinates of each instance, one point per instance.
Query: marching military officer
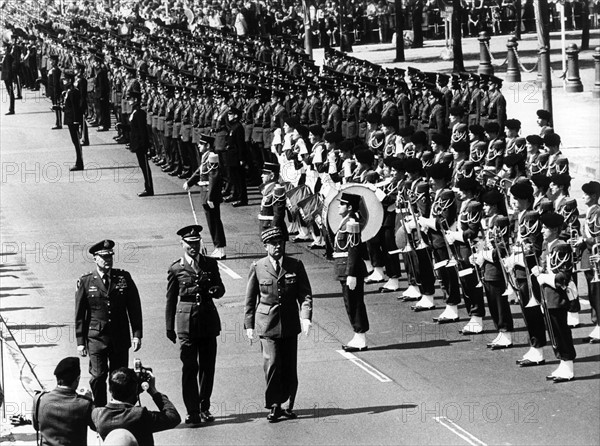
(193, 281)
(107, 302)
(278, 307)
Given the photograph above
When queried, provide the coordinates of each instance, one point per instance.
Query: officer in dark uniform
(73, 115)
(139, 138)
(54, 91)
(193, 282)
(107, 302)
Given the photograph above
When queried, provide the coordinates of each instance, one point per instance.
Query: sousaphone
(371, 210)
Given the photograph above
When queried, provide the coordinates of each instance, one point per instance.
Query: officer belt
(192, 300)
(202, 183)
(339, 255)
(265, 217)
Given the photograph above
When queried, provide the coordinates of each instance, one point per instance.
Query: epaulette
(176, 261)
(87, 274)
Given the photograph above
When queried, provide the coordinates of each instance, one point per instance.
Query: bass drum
(371, 210)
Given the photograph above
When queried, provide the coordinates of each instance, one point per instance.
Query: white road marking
(366, 367)
(231, 273)
(455, 428)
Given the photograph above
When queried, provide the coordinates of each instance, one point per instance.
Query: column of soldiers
(470, 203)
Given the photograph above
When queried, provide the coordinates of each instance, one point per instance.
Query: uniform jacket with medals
(103, 315)
(190, 309)
(275, 303)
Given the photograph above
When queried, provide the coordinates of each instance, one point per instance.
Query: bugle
(547, 319)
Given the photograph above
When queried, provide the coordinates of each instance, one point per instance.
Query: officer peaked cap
(350, 199)
(271, 234)
(102, 248)
(190, 233)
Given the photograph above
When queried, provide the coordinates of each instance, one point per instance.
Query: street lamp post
(399, 32)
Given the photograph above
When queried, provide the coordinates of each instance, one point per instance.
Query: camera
(142, 373)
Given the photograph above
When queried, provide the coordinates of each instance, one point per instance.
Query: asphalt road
(420, 383)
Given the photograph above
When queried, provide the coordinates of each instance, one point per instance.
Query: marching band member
(464, 238)
(497, 288)
(393, 190)
(540, 183)
(554, 274)
(442, 217)
(590, 259)
(512, 127)
(350, 270)
(393, 142)
(422, 288)
(478, 144)
(534, 149)
(526, 249)
(544, 119)
(496, 146)
(552, 143)
(272, 205)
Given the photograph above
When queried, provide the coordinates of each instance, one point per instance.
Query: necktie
(106, 281)
(277, 267)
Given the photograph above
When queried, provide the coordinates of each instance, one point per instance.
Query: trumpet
(595, 262)
(510, 289)
(574, 242)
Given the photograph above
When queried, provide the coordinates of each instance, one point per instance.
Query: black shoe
(238, 204)
(57, 127)
(274, 415)
(287, 413)
(229, 199)
(185, 174)
(146, 194)
(193, 418)
(167, 168)
(85, 143)
(10, 113)
(529, 363)
(350, 349)
(206, 416)
(499, 346)
(562, 379)
(174, 172)
(408, 298)
(593, 340)
(417, 308)
(94, 125)
(445, 320)
(19, 97)
(76, 168)
(103, 129)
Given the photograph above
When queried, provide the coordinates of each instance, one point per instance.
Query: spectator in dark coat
(8, 76)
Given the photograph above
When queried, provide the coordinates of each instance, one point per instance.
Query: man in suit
(73, 115)
(107, 302)
(123, 413)
(139, 140)
(193, 282)
(8, 76)
(208, 177)
(54, 90)
(63, 415)
(277, 286)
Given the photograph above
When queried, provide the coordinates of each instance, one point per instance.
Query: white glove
(546, 279)
(185, 186)
(250, 333)
(409, 222)
(137, 344)
(305, 326)
(351, 282)
(536, 271)
(210, 204)
(450, 237)
(426, 223)
(488, 254)
(477, 258)
(82, 350)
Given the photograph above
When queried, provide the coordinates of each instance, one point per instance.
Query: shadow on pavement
(20, 308)
(415, 345)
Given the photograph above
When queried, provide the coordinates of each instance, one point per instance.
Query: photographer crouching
(121, 412)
